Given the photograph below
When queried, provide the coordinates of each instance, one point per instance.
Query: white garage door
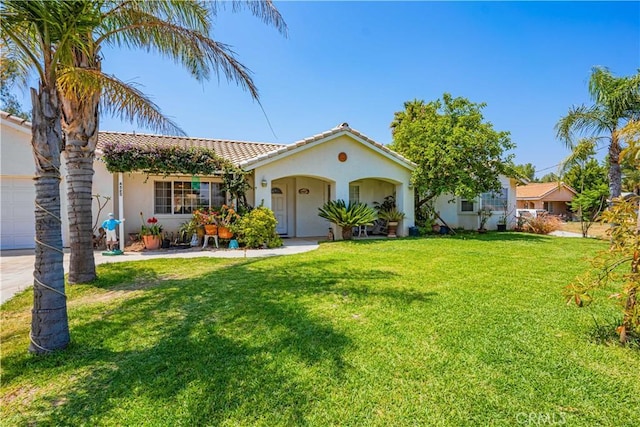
(17, 219)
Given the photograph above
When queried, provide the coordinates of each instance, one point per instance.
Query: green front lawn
(439, 331)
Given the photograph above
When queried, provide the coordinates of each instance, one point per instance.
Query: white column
(121, 208)
(342, 191)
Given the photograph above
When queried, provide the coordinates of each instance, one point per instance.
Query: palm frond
(117, 98)
(582, 151)
(185, 46)
(581, 120)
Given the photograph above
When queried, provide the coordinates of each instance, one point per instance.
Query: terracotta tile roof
(539, 190)
(234, 151)
(241, 153)
(15, 119)
(342, 128)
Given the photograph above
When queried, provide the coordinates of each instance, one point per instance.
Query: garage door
(17, 219)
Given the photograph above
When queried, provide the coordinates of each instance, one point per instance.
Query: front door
(279, 206)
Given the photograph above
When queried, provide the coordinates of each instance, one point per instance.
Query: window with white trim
(495, 200)
(184, 197)
(467, 206)
(354, 194)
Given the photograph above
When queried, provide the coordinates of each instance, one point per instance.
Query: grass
(439, 331)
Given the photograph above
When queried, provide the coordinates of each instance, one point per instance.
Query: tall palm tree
(616, 102)
(62, 41)
(38, 33)
(179, 30)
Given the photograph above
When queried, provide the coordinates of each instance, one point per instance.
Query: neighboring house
(293, 180)
(459, 212)
(553, 197)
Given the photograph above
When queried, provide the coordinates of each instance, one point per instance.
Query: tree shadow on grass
(241, 343)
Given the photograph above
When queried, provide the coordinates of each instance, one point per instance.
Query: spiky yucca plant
(347, 216)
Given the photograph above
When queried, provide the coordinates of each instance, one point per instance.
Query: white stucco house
(293, 180)
(458, 212)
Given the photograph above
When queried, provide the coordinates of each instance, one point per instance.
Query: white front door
(279, 206)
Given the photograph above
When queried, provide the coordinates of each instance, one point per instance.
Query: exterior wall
(363, 164)
(17, 190)
(449, 208)
(17, 164)
(139, 197)
(308, 223)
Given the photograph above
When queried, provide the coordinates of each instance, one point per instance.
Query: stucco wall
(363, 163)
(449, 208)
(139, 197)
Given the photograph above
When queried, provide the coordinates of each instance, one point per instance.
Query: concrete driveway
(16, 266)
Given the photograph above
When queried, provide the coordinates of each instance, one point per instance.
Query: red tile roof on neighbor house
(540, 190)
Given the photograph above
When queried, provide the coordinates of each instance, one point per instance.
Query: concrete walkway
(16, 266)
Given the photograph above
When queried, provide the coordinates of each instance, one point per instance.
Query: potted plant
(151, 232)
(484, 215)
(393, 216)
(226, 218)
(347, 216)
(502, 223)
(208, 219)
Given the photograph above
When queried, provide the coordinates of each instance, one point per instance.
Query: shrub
(542, 224)
(347, 216)
(258, 228)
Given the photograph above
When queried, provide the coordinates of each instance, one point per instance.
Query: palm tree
(616, 102)
(39, 33)
(62, 41)
(176, 29)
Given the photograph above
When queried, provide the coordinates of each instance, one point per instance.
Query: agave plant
(392, 215)
(347, 216)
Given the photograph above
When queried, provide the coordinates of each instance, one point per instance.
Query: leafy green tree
(583, 173)
(455, 149)
(616, 101)
(550, 177)
(178, 30)
(590, 175)
(527, 171)
(8, 101)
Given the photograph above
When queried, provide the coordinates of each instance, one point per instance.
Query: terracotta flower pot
(224, 233)
(210, 229)
(392, 227)
(152, 242)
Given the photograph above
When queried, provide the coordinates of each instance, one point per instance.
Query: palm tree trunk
(49, 323)
(80, 125)
(615, 171)
(82, 267)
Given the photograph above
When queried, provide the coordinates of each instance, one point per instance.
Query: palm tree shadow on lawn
(241, 335)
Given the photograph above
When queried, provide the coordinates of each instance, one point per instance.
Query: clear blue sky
(360, 61)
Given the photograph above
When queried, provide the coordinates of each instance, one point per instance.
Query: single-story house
(293, 180)
(553, 197)
(459, 212)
